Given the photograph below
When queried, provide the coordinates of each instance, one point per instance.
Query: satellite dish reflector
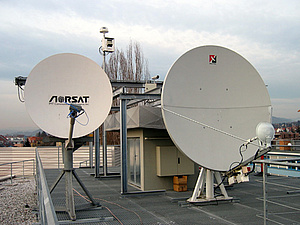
(64, 79)
(212, 101)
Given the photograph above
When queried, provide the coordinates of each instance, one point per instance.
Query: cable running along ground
(113, 203)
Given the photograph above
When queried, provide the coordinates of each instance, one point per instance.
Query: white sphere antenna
(265, 133)
(64, 79)
(212, 100)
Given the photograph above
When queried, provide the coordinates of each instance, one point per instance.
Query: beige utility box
(171, 162)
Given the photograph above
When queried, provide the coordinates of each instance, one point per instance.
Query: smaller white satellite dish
(64, 79)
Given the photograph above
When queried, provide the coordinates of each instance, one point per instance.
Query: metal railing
(265, 164)
(86, 162)
(113, 158)
(47, 213)
(19, 168)
(52, 156)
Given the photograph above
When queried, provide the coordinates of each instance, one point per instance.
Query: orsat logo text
(75, 99)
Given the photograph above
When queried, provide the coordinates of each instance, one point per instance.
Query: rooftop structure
(170, 207)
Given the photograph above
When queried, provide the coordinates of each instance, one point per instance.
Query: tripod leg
(84, 188)
(70, 195)
(57, 181)
(199, 186)
(221, 185)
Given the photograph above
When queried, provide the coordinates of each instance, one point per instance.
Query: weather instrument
(68, 96)
(212, 101)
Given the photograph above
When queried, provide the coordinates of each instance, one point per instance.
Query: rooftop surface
(170, 207)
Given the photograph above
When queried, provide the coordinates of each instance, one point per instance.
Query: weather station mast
(108, 46)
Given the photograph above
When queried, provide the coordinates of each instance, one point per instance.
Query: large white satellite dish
(212, 100)
(64, 79)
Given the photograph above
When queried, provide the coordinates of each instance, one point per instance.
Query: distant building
(16, 141)
(3, 141)
(286, 135)
(286, 138)
(35, 141)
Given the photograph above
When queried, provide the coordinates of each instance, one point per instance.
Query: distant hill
(34, 131)
(13, 132)
(281, 120)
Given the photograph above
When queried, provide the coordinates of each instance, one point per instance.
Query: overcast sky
(266, 33)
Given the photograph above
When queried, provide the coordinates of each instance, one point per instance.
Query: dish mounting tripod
(67, 149)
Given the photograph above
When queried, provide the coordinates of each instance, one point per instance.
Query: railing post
(33, 167)
(11, 173)
(23, 170)
(265, 192)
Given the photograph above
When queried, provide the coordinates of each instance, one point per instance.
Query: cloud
(13, 113)
(265, 33)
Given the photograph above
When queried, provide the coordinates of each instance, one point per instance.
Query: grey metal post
(97, 152)
(104, 150)
(104, 62)
(91, 154)
(103, 128)
(123, 137)
(97, 133)
(265, 192)
(57, 157)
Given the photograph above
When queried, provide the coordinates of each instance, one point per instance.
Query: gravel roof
(17, 201)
